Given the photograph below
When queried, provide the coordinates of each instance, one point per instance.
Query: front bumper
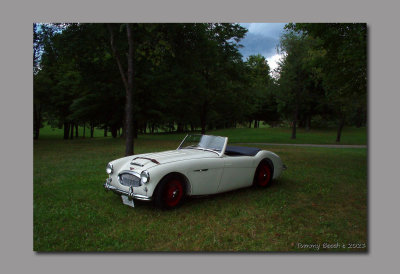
(107, 186)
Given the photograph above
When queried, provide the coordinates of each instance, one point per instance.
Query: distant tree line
(137, 78)
(324, 74)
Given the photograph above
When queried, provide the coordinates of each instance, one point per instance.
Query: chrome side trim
(129, 193)
(201, 169)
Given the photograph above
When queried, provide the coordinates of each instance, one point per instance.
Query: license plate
(126, 201)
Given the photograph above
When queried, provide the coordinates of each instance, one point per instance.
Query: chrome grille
(127, 179)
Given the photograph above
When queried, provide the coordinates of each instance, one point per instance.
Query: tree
(300, 92)
(148, 44)
(42, 35)
(293, 76)
(218, 47)
(194, 66)
(127, 79)
(201, 69)
(258, 88)
(345, 67)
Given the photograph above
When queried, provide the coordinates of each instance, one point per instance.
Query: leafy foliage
(323, 73)
(343, 68)
(192, 77)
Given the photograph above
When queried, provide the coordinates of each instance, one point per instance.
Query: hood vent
(137, 164)
(145, 158)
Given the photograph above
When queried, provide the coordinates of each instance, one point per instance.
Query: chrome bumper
(107, 186)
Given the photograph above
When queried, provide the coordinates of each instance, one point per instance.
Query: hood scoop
(141, 163)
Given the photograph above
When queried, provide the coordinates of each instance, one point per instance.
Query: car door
(205, 175)
(238, 172)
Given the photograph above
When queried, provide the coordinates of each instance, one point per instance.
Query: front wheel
(263, 175)
(170, 192)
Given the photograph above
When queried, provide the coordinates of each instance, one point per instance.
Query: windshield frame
(219, 153)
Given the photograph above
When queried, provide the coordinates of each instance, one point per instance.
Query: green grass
(350, 135)
(321, 198)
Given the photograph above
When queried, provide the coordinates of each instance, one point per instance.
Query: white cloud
(273, 63)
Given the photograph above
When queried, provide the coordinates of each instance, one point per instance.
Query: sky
(262, 38)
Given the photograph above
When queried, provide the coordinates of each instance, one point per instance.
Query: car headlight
(144, 177)
(109, 168)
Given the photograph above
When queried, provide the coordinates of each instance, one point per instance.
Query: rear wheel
(170, 192)
(263, 175)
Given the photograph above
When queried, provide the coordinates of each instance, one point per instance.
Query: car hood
(145, 161)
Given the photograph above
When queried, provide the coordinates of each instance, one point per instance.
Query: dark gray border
(17, 149)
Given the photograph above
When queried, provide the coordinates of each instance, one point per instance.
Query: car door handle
(201, 169)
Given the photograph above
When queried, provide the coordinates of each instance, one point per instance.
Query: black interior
(241, 151)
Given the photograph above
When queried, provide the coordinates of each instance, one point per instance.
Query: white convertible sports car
(201, 165)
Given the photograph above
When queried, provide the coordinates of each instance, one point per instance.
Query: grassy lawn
(350, 135)
(321, 198)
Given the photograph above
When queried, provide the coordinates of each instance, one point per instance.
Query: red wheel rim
(263, 175)
(173, 193)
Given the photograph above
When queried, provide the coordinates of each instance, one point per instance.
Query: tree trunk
(308, 122)
(203, 125)
(123, 129)
(203, 117)
(114, 131)
(135, 129)
(91, 129)
(72, 131)
(180, 127)
(128, 83)
(251, 121)
(66, 130)
(84, 130)
(76, 130)
(294, 123)
(129, 145)
(36, 133)
(293, 130)
(339, 132)
(145, 128)
(37, 121)
(105, 131)
(359, 118)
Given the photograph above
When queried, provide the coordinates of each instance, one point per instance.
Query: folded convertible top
(241, 151)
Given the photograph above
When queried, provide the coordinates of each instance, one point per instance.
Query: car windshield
(203, 142)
